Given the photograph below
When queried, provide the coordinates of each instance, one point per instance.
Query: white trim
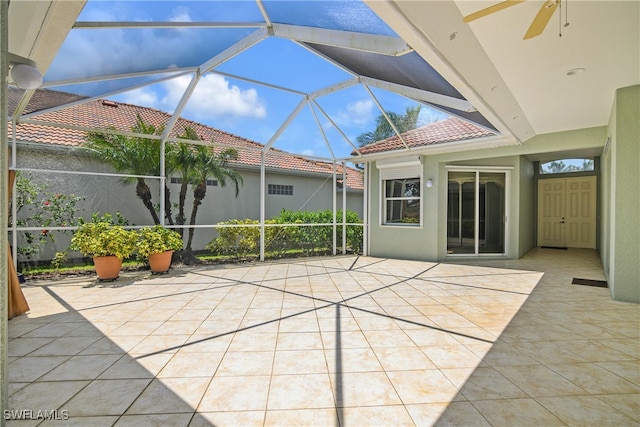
(399, 162)
(402, 168)
(507, 209)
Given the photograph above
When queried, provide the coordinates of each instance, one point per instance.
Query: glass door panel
(476, 212)
(461, 227)
(492, 212)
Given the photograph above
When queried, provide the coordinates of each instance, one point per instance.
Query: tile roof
(443, 131)
(104, 114)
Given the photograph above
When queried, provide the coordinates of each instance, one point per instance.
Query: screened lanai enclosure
(294, 88)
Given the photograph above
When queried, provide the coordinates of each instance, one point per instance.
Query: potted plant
(107, 244)
(158, 244)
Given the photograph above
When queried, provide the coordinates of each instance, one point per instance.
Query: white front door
(567, 212)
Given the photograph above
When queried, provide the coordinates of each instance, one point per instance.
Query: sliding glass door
(476, 212)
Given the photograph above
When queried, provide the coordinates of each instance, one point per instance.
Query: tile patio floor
(333, 341)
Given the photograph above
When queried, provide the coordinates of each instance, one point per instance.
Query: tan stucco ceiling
(522, 84)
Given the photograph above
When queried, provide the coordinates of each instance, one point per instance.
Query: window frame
(401, 169)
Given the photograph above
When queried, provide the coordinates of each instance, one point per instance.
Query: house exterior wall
(621, 191)
(110, 195)
(428, 242)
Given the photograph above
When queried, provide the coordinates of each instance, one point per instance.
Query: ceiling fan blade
(542, 19)
(491, 9)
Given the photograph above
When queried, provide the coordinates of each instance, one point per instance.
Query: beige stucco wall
(621, 185)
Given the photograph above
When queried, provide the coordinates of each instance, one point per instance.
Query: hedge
(242, 239)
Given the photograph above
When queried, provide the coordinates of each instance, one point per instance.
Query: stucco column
(4, 209)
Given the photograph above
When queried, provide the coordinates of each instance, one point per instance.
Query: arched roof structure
(291, 75)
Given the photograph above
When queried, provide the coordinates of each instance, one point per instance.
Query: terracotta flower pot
(107, 267)
(160, 262)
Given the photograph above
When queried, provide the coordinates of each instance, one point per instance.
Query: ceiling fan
(537, 25)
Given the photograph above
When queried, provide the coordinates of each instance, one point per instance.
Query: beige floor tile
(242, 363)
(295, 324)
(487, 383)
(451, 356)
(28, 368)
(192, 365)
(344, 339)
(137, 366)
(81, 368)
(65, 346)
(302, 391)
(352, 360)
(46, 396)
(512, 412)
(154, 420)
(23, 346)
(539, 381)
(301, 417)
(91, 400)
(299, 362)
(160, 344)
(628, 346)
(393, 415)
(627, 369)
(170, 395)
(254, 341)
(113, 345)
(596, 379)
(452, 414)
(137, 328)
(228, 419)
(53, 330)
(299, 341)
(236, 393)
(426, 337)
(403, 359)
(206, 343)
(73, 421)
(425, 386)
(388, 338)
(584, 410)
(363, 389)
(628, 404)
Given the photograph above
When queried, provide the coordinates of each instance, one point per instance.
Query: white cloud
(358, 112)
(214, 97)
(180, 14)
(143, 96)
(308, 152)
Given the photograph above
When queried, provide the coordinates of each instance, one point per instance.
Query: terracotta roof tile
(102, 114)
(440, 132)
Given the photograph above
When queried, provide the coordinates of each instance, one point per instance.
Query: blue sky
(234, 105)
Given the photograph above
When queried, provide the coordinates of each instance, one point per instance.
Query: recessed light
(575, 71)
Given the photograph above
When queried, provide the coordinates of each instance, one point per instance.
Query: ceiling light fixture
(24, 72)
(575, 71)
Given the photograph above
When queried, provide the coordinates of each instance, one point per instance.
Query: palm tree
(209, 164)
(384, 130)
(131, 154)
(181, 158)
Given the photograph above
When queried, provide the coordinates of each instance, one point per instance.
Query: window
(278, 189)
(401, 194)
(402, 201)
(567, 166)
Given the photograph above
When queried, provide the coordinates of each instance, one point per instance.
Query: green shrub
(243, 238)
(157, 239)
(103, 239)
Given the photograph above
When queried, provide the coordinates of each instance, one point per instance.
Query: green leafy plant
(157, 239)
(284, 233)
(104, 239)
(38, 207)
